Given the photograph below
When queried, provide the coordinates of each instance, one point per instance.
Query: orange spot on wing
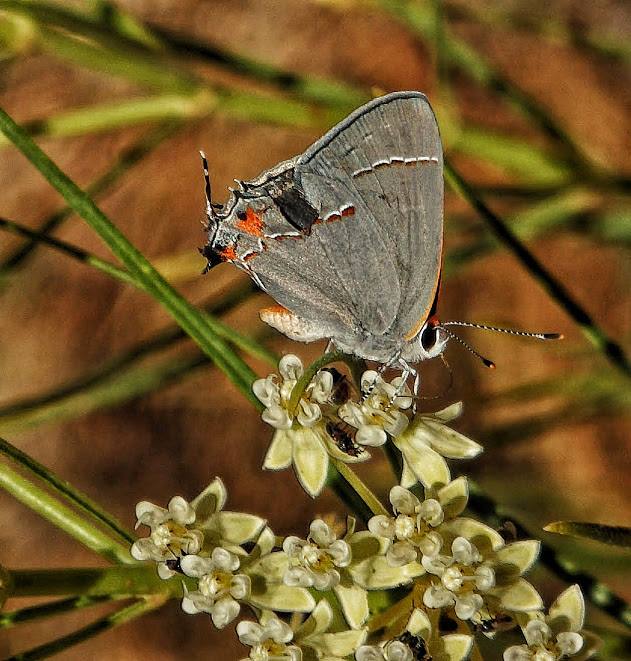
(252, 223)
(228, 254)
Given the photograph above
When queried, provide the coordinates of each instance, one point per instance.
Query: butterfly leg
(380, 371)
(407, 371)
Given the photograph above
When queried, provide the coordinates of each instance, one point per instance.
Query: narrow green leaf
(66, 490)
(199, 326)
(613, 535)
(73, 524)
(104, 624)
(50, 609)
(120, 582)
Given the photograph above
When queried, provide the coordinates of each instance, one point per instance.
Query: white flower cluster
(318, 427)
(447, 567)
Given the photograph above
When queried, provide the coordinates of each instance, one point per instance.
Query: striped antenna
(485, 361)
(508, 331)
(210, 212)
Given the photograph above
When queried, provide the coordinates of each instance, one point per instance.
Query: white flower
(275, 395)
(300, 438)
(314, 562)
(412, 530)
(380, 411)
(461, 575)
(424, 444)
(487, 573)
(269, 639)
(171, 536)
(557, 635)
(218, 587)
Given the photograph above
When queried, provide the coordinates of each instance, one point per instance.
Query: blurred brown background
(547, 458)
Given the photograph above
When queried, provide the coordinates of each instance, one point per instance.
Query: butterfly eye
(429, 336)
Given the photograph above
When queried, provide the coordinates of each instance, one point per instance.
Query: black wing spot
(292, 203)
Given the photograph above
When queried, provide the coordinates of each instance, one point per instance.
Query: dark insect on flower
(417, 646)
(491, 625)
(174, 565)
(344, 437)
(341, 386)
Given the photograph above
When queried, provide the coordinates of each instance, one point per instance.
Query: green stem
(123, 113)
(102, 265)
(50, 609)
(555, 289)
(129, 157)
(118, 582)
(200, 327)
(66, 490)
(48, 507)
(104, 624)
(310, 372)
(350, 488)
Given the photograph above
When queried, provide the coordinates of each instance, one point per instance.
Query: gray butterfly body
(347, 237)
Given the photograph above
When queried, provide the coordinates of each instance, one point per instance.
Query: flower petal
(428, 466)
(266, 390)
(335, 646)
(318, 621)
(457, 646)
(567, 613)
(408, 477)
(276, 416)
(449, 413)
(249, 632)
(279, 452)
(283, 598)
(290, 367)
(483, 537)
(454, 496)
(354, 602)
(517, 558)
(365, 545)
(520, 597)
(236, 527)
(451, 443)
(311, 461)
(370, 435)
(403, 500)
(320, 533)
(382, 526)
(224, 611)
(375, 573)
(419, 624)
(210, 500)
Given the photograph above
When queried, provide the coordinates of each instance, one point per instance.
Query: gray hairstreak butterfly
(347, 237)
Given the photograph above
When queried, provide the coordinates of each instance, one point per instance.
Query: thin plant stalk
(558, 292)
(199, 326)
(99, 626)
(61, 516)
(67, 491)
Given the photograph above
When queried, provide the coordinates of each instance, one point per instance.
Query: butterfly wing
(386, 159)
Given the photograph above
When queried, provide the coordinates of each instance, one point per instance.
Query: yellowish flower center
(216, 584)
